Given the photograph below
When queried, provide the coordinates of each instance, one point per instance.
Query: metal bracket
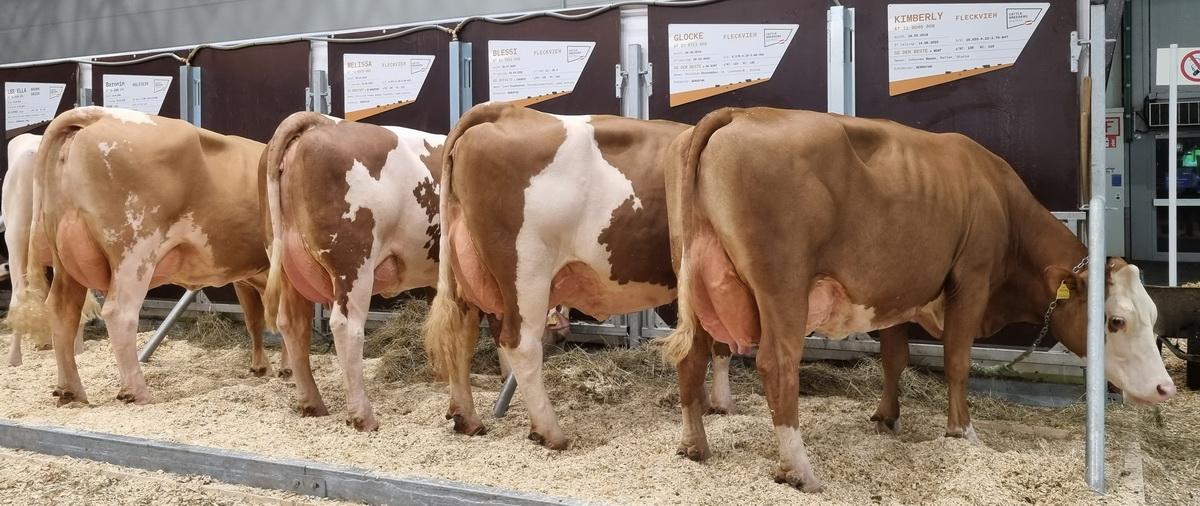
(620, 76)
(308, 485)
(1076, 50)
(648, 78)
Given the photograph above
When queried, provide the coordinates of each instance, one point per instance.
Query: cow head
(1132, 360)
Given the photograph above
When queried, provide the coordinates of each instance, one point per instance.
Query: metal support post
(318, 93)
(189, 94)
(166, 325)
(840, 31)
(84, 85)
(461, 92)
(1094, 378)
(506, 393)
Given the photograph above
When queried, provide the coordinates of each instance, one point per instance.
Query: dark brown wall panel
(1027, 114)
(431, 110)
(798, 82)
(249, 91)
(595, 92)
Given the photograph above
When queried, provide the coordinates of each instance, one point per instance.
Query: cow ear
(1064, 284)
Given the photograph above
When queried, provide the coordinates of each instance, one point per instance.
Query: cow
(539, 210)
(127, 201)
(17, 203)
(352, 211)
(791, 222)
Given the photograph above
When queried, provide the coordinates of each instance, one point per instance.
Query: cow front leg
(721, 399)
(692, 398)
(120, 312)
(14, 348)
(295, 323)
(252, 307)
(957, 356)
(893, 351)
(65, 302)
(346, 322)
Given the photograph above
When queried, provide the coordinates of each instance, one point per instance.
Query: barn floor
(623, 424)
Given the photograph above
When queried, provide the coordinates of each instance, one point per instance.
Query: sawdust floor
(622, 450)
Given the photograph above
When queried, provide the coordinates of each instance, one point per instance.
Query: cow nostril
(1166, 390)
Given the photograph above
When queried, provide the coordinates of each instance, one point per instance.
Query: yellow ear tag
(552, 320)
(1063, 292)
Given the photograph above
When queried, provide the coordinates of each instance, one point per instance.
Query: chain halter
(999, 369)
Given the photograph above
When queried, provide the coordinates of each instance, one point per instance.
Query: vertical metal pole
(1172, 171)
(189, 94)
(318, 80)
(1096, 383)
(840, 79)
(506, 393)
(461, 91)
(167, 323)
(83, 85)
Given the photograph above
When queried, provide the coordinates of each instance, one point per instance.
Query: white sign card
(530, 71)
(140, 93)
(1186, 65)
(375, 83)
(710, 59)
(931, 44)
(30, 103)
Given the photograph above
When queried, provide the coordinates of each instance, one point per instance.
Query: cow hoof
(309, 410)
(886, 426)
(284, 373)
(66, 396)
(129, 398)
(363, 424)
(462, 427)
(808, 484)
(693, 452)
(43, 346)
(721, 410)
(553, 445)
(967, 433)
(260, 371)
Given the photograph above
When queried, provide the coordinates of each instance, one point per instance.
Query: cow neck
(1042, 241)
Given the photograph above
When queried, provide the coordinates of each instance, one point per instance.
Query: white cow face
(1132, 359)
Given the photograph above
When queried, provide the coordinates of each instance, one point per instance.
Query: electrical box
(1116, 183)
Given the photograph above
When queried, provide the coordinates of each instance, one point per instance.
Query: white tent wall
(51, 29)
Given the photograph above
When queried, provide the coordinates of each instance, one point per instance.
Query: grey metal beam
(299, 476)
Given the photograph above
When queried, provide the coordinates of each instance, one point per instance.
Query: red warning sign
(1190, 66)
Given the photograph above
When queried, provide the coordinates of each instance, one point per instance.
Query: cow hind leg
(692, 399)
(780, 350)
(893, 349)
(451, 333)
(295, 323)
(526, 362)
(252, 307)
(346, 321)
(721, 399)
(121, 309)
(66, 298)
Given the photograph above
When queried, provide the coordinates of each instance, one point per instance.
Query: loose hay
(213, 330)
(398, 343)
(619, 408)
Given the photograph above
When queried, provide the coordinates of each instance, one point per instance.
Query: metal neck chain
(998, 369)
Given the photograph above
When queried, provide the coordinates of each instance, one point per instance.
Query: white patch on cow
(1132, 360)
(107, 147)
(129, 116)
(399, 220)
(567, 206)
(637, 204)
(333, 238)
(134, 213)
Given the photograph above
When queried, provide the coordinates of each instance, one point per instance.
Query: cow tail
(288, 132)
(682, 170)
(32, 317)
(448, 332)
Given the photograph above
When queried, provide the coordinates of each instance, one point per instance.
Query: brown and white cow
(353, 211)
(795, 221)
(128, 201)
(17, 204)
(540, 210)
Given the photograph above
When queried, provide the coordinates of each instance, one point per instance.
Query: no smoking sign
(1185, 65)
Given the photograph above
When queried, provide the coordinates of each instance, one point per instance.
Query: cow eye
(1116, 323)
